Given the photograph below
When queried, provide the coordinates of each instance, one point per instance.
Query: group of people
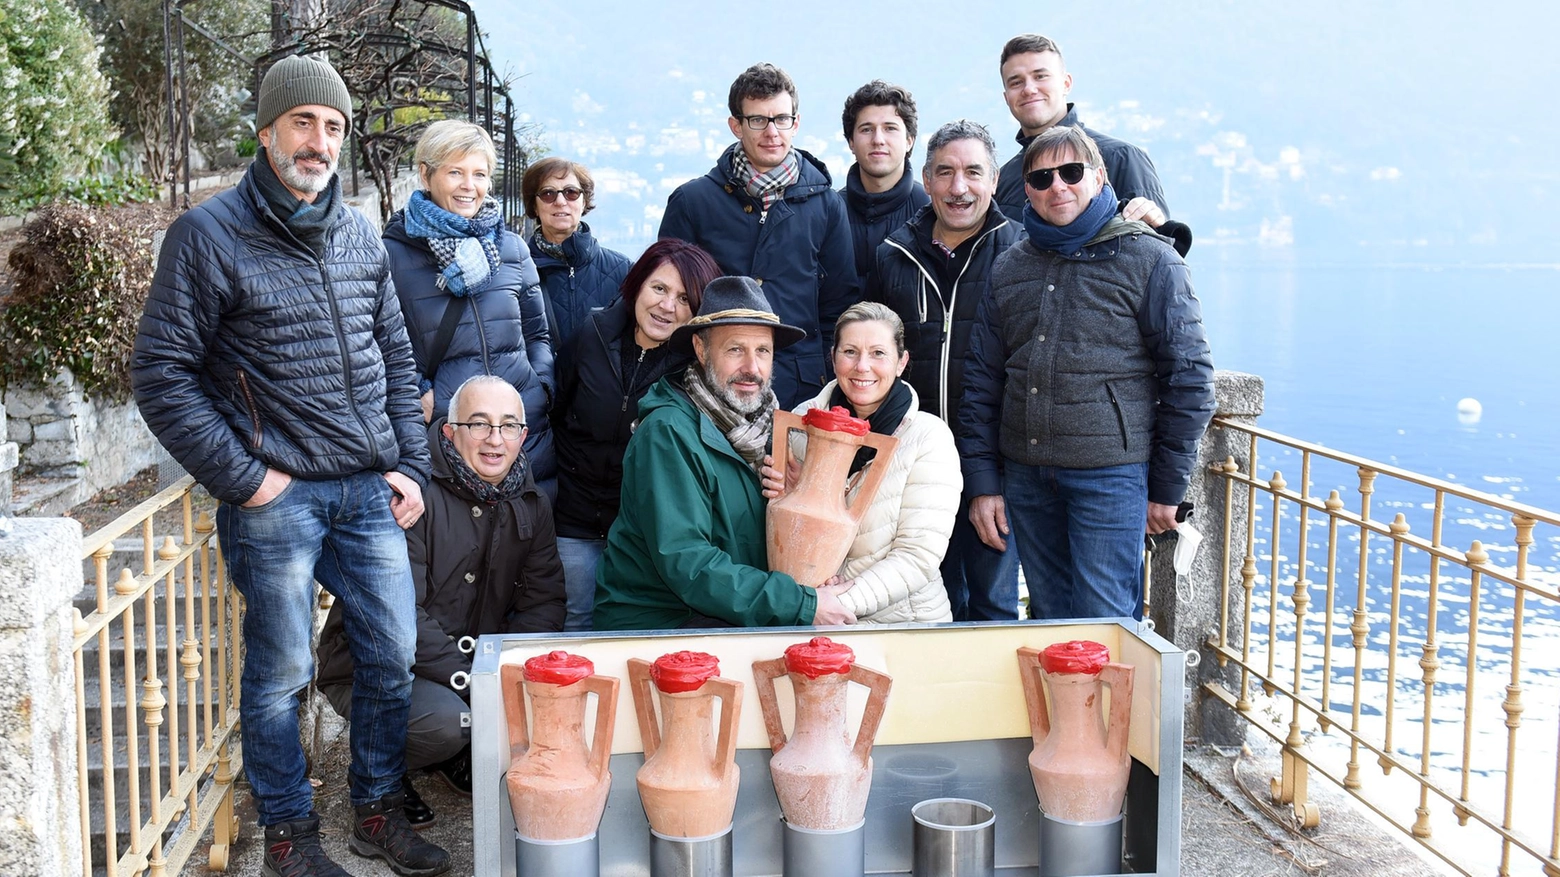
(457, 430)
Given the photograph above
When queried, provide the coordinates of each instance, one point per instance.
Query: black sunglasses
(1071, 173)
(569, 194)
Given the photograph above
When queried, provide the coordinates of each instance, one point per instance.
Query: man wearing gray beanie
(273, 363)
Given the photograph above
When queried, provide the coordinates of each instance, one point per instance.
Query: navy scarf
(1071, 237)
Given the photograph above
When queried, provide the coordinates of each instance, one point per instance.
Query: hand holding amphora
(558, 781)
(688, 784)
(821, 776)
(811, 528)
(1079, 767)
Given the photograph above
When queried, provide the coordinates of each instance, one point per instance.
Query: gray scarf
(748, 433)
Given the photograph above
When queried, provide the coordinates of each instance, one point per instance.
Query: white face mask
(1186, 541)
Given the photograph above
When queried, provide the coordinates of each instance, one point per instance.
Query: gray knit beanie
(298, 80)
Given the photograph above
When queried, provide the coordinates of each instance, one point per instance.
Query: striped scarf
(767, 187)
(748, 433)
(467, 250)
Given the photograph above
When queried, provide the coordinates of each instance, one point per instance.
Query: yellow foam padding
(950, 684)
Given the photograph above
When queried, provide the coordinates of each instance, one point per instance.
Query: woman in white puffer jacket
(894, 561)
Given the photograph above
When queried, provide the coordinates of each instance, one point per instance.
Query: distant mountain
(1414, 132)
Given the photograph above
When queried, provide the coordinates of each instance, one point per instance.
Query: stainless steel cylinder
(1079, 849)
(557, 858)
(954, 837)
(809, 852)
(690, 856)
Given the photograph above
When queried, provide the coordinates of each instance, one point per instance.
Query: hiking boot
(456, 773)
(292, 849)
(418, 814)
(382, 832)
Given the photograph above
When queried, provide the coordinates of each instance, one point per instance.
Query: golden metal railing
(1463, 771)
(177, 616)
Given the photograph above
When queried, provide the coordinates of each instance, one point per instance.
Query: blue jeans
(580, 558)
(340, 533)
(982, 583)
(1080, 533)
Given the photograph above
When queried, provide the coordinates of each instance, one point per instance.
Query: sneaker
(456, 773)
(382, 832)
(418, 814)
(292, 849)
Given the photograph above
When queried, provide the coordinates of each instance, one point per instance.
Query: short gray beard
(287, 169)
(744, 407)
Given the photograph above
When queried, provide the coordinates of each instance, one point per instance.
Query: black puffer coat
(503, 332)
(595, 419)
(936, 339)
(253, 352)
(477, 568)
(585, 281)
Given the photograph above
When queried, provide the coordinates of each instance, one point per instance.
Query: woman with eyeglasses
(602, 374)
(468, 288)
(893, 564)
(579, 276)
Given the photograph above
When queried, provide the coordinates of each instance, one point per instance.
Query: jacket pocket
(1121, 419)
(256, 432)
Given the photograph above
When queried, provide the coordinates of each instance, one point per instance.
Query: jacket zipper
(476, 319)
(256, 434)
(631, 379)
(1121, 420)
(341, 343)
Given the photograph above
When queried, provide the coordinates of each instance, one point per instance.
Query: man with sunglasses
(484, 559)
(1088, 385)
(933, 271)
(767, 211)
(1035, 85)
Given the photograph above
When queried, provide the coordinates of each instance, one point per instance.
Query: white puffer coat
(904, 535)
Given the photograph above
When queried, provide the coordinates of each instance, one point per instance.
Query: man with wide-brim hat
(687, 549)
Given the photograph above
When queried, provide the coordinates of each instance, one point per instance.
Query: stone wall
(8, 458)
(63, 436)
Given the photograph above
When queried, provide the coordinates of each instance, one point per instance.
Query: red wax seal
(836, 419)
(558, 668)
(819, 656)
(1078, 656)
(683, 671)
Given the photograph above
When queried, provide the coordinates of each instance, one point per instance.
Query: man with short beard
(272, 362)
(687, 549)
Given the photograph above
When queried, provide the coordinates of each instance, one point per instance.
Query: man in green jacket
(687, 549)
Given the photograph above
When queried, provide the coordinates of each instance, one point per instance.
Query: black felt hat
(734, 301)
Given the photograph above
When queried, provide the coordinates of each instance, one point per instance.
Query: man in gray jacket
(1088, 385)
(273, 364)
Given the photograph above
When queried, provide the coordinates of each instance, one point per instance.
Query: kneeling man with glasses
(484, 560)
(1087, 386)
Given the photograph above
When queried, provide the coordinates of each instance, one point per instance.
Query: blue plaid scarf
(466, 249)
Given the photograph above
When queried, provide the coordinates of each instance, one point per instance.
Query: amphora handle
(780, 440)
(877, 702)
(644, 705)
(1119, 678)
(606, 690)
(873, 476)
(729, 692)
(764, 674)
(1029, 673)
(511, 679)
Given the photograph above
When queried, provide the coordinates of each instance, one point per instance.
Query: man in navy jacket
(767, 211)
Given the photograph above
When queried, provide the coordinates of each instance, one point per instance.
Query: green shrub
(53, 99)
(80, 280)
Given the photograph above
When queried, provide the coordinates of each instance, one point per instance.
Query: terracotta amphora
(558, 781)
(1079, 767)
(688, 784)
(810, 528)
(821, 776)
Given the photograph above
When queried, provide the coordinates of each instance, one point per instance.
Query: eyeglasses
(1071, 173)
(481, 429)
(758, 123)
(570, 194)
